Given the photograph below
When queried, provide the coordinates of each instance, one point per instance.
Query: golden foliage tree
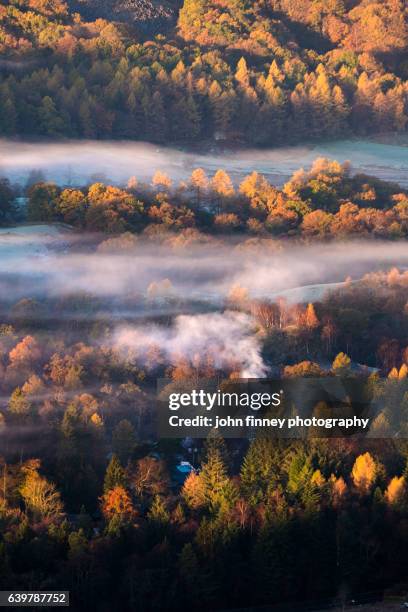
(395, 490)
(311, 320)
(364, 472)
(161, 180)
(40, 496)
(193, 491)
(341, 363)
(338, 487)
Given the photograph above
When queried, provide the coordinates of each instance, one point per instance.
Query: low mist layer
(176, 301)
(47, 261)
(77, 162)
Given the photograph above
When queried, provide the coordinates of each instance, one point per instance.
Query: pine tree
(86, 120)
(219, 491)
(123, 440)
(321, 106)
(178, 74)
(199, 183)
(341, 111)
(188, 565)
(242, 74)
(115, 475)
(222, 188)
(77, 544)
(275, 74)
(158, 124)
(215, 443)
(7, 207)
(158, 512)
(260, 469)
(300, 109)
(311, 320)
(272, 115)
(403, 372)
(50, 121)
(224, 107)
(185, 116)
(363, 107)
(8, 116)
(300, 472)
(197, 584)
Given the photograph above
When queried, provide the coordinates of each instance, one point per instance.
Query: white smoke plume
(226, 339)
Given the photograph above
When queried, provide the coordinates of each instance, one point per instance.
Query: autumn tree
(33, 387)
(65, 372)
(40, 496)
(25, 354)
(303, 369)
(162, 181)
(199, 184)
(193, 491)
(116, 503)
(19, 404)
(311, 320)
(341, 364)
(338, 489)
(364, 472)
(42, 202)
(148, 478)
(71, 206)
(222, 189)
(396, 489)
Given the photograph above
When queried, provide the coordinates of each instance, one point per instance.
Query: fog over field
(77, 162)
(49, 254)
(189, 287)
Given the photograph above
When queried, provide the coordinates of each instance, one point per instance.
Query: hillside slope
(264, 72)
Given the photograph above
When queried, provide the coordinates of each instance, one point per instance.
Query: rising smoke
(225, 339)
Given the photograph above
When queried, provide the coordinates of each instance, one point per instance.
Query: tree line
(324, 203)
(232, 72)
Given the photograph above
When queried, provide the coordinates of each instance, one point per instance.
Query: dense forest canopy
(116, 286)
(255, 72)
